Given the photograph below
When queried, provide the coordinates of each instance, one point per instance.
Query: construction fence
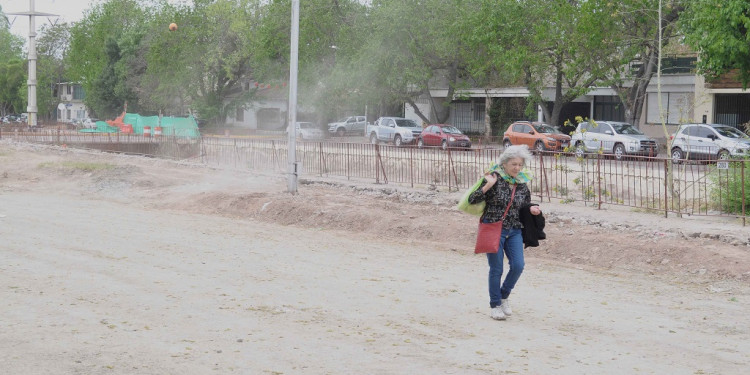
(656, 184)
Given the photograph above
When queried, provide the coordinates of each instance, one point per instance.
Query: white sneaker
(505, 306)
(497, 313)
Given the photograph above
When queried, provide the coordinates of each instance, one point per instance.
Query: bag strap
(510, 202)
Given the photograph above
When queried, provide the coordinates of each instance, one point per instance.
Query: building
(685, 97)
(71, 107)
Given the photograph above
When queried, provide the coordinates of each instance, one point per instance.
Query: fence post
(377, 163)
(347, 161)
(411, 166)
(599, 178)
(742, 174)
(666, 186)
(379, 167)
(320, 157)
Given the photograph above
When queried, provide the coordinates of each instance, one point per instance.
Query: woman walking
(505, 187)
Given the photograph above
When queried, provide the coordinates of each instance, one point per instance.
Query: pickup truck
(351, 124)
(398, 130)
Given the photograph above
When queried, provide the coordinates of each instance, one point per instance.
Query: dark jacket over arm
(533, 226)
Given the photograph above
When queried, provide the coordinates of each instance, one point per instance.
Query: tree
(407, 55)
(718, 30)
(101, 46)
(12, 70)
(206, 60)
(332, 33)
(52, 46)
(564, 44)
(635, 30)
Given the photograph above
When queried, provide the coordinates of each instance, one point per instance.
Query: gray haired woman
(496, 190)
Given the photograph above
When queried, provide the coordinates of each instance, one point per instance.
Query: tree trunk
(487, 122)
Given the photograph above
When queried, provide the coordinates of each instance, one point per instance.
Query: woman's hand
(535, 210)
(491, 180)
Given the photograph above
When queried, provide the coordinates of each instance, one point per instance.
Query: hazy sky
(68, 11)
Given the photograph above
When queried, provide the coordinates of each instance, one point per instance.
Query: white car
(611, 137)
(308, 130)
(89, 123)
(709, 141)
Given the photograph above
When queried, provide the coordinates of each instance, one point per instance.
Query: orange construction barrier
(146, 131)
(157, 131)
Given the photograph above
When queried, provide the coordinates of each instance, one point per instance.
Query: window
(703, 132)
(677, 107)
(78, 93)
(478, 111)
(609, 108)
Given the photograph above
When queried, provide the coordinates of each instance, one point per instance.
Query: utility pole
(31, 107)
(292, 112)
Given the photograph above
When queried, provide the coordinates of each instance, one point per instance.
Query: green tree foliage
(718, 30)
(205, 61)
(13, 86)
(12, 70)
(635, 32)
(331, 36)
(52, 46)
(540, 43)
(410, 46)
(101, 48)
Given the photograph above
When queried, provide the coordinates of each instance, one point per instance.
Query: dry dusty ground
(115, 264)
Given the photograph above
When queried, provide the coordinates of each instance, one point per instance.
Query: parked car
(308, 130)
(536, 135)
(709, 141)
(611, 137)
(444, 136)
(398, 130)
(347, 125)
(89, 123)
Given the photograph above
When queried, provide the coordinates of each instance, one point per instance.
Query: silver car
(709, 142)
(612, 137)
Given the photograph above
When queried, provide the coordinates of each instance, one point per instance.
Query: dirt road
(126, 265)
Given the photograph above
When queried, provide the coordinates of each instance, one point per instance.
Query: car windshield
(405, 123)
(305, 125)
(730, 132)
(451, 130)
(547, 129)
(626, 129)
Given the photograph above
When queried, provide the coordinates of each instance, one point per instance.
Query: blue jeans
(511, 243)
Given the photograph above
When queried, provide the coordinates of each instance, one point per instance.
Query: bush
(727, 193)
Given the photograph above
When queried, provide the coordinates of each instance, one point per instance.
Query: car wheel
(539, 146)
(506, 143)
(723, 155)
(580, 150)
(420, 143)
(619, 151)
(373, 138)
(341, 132)
(397, 141)
(444, 144)
(677, 155)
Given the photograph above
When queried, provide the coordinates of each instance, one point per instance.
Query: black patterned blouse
(497, 199)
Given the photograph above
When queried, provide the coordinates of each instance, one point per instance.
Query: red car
(444, 136)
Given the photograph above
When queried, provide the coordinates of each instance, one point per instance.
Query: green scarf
(523, 177)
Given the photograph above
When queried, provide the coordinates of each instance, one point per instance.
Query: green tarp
(101, 127)
(179, 126)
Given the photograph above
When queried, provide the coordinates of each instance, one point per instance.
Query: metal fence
(692, 187)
